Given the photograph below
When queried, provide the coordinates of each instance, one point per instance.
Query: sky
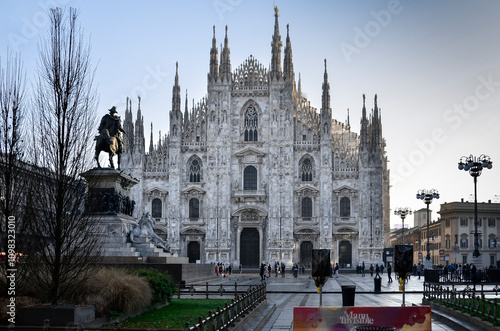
(435, 66)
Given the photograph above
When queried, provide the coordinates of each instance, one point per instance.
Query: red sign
(441, 252)
(347, 318)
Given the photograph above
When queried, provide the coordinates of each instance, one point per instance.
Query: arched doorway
(345, 253)
(193, 251)
(249, 248)
(306, 248)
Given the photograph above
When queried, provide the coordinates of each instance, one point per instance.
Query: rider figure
(111, 126)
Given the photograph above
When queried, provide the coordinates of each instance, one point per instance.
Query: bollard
(377, 283)
(348, 294)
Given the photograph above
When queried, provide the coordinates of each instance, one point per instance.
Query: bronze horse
(109, 139)
(110, 145)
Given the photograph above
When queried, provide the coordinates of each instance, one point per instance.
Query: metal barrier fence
(467, 300)
(211, 290)
(443, 275)
(224, 318)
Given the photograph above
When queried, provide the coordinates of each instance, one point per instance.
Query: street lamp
(475, 165)
(427, 196)
(403, 212)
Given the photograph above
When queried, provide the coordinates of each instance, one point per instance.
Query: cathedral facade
(253, 173)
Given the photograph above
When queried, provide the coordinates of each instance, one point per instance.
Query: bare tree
(64, 118)
(12, 178)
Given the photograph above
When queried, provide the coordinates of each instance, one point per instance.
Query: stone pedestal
(108, 192)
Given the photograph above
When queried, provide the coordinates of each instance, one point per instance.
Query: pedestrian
(229, 270)
(276, 266)
(241, 268)
(262, 271)
(337, 270)
(282, 269)
(377, 270)
(363, 269)
(389, 272)
(419, 270)
(473, 273)
(382, 269)
(371, 270)
(269, 270)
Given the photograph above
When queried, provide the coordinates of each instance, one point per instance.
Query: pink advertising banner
(352, 318)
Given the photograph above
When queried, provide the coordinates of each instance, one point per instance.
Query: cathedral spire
(176, 93)
(299, 92)
(214, 60)
(186, 112)
(276, 45)
(288, 64)
(139, 114)
(375, 125)
(348, 123)
(225, 60)
(151, 140)
(139, 128)
(325, 109)
(364, 127)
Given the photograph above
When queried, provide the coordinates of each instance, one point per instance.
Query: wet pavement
(285, 293)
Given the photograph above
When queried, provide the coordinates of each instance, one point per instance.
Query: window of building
(251, 124)
(156, 208)
(306, 208)
(464, 221)
(479, 221)
(448, 241)
(304, 137)
(447, 222)
(492, 243)
(464, 242)
(491, 222)
(195, 171)
(464, 259)
(194, 208)
(250, 178)
(306, 170)
(345, 207)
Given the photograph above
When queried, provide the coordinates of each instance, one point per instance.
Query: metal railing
(226, 317)
(212, 290)
(467, 300)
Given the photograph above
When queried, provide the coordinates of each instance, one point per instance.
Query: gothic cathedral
(253, 173)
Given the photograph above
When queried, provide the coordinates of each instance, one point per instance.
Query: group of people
(279, 269)
(378, 269)
(459, 273)
(221, 270)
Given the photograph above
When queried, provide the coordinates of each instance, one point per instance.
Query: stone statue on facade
(109, 139)
(145, 230)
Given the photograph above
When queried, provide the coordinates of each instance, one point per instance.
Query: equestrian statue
(110, 139)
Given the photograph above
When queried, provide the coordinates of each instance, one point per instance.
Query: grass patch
(175, 315)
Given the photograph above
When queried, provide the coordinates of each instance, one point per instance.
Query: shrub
(162, 284)
(112, 289)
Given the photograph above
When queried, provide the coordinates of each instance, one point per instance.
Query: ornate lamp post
(475, 165)
(403, 212)
(427, 196)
